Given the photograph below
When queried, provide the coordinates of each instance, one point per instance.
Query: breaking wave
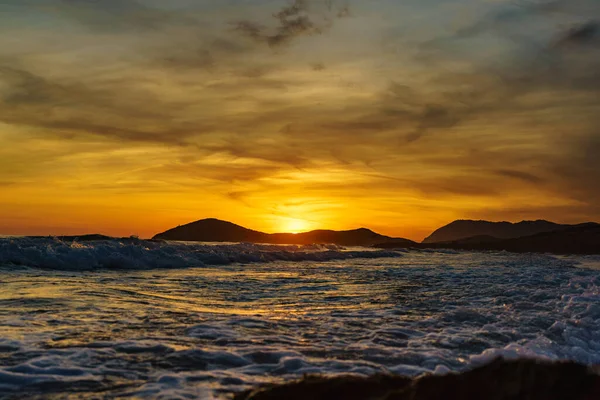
(53, 253)
(208, 332)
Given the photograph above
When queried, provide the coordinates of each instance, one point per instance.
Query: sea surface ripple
(255, 314)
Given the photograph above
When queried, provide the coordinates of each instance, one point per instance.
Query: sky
(129, 117)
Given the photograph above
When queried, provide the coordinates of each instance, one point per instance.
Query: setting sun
(216, 199)
(294, 225)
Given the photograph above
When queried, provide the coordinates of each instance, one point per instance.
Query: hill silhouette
(578, 239)
(462, 229)
(214, 230)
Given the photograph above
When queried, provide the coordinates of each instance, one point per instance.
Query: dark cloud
(292, 11)
(517, 20)
(76, 108)
(284, 152)
(520, 175)
(292, 21)
(412, 114)
(251, 30)
(586, 34)
(506, 17)
(562, 63)
(200, 172)
(434, 116)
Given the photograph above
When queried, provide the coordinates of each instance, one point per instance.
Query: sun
(294, 225)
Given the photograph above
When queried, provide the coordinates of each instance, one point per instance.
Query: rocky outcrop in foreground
(499, 380)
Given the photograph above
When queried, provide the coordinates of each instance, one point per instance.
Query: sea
(168, 320)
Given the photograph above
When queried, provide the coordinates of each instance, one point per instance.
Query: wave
(57, 254)
(206, 333)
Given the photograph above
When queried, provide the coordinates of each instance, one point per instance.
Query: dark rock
(499, 380)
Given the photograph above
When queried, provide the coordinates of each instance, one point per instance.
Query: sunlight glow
(294, 225)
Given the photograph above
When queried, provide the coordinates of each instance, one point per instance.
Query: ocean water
(142, 319)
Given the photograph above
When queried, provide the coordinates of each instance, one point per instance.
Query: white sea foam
(202, 332)
(53, 253)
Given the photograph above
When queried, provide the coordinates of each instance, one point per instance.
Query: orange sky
(130, 117)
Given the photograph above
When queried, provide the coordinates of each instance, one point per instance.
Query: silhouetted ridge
(578, 239)
(214, 230)
(462, 229)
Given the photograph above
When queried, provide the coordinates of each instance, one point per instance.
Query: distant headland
(526, 236)
(214, 230)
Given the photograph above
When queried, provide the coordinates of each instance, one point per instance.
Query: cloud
(292, 21)
(115, 15)
(412, 114)
(485, 117)
(583, 35)
(520, 175)
(521, 20)
(577, 169)
(66, 107)
(504, 17)
(562, 73)
(537, 62)
(276, 151)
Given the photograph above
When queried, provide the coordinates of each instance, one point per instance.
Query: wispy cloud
(271, 101)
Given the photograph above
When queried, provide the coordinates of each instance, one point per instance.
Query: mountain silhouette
(463, 229)
(214, 230)
(577, 239)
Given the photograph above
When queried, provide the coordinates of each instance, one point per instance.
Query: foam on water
(205, 332)
(53, 253)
